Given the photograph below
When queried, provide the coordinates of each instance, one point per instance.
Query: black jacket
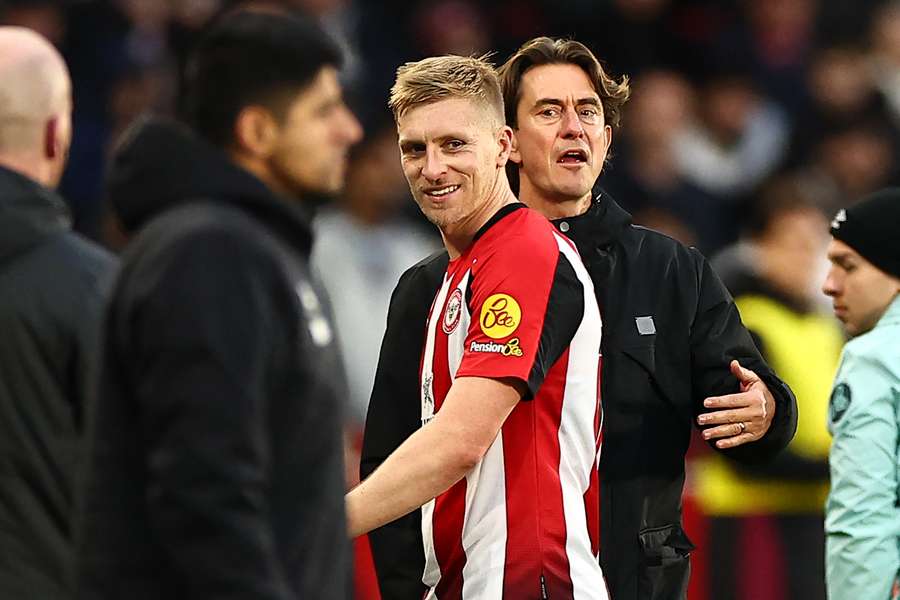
(52, 289)
(653, 387)
(217, 465)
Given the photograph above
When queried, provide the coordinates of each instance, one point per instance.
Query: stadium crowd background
(737, 106)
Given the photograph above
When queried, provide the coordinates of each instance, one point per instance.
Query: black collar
(504, 210)
(601, 224)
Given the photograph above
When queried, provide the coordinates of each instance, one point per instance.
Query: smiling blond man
(504, 464)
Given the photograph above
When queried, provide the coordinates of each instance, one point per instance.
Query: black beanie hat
(872, 228)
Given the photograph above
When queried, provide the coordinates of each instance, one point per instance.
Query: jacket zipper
(544, 594)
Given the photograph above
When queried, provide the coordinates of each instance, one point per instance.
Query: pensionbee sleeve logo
(500, 316)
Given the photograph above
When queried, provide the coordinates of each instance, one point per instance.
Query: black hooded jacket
(217, 465)
(52, 289)
(670, 329)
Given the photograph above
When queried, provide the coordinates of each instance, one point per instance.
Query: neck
(29, 166)
(260, 169)
(553, 207)
(459, 236)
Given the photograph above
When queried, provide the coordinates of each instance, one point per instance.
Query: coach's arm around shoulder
(436, 456)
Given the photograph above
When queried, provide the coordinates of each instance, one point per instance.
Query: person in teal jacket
(862, 513)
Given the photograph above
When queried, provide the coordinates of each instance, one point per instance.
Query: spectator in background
(645, 173)
(862, 516)
(52, 288)
(768, 518)
(217, 463)
(363, 245)
(848, 161)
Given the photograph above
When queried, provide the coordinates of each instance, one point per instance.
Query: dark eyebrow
(557, 102)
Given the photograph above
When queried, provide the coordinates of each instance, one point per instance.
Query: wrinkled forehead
(564, 82)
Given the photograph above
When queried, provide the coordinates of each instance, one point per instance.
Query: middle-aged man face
(453, 152)
(562, 137)
(860, 291)
(310, 144)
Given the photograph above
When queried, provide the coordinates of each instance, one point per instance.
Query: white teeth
(444, 191)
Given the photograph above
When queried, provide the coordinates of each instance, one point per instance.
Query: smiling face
(860, 292)
(453, 152)
(562, 138)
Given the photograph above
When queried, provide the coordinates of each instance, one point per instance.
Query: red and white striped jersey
(523, 524)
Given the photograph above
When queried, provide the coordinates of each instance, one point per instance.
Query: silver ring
(743, 426)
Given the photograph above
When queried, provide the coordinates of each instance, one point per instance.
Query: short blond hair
(444, 77)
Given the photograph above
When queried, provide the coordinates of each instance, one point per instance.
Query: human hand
(736, 419)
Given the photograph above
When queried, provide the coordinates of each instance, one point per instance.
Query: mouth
(575, 157)
(441, 192)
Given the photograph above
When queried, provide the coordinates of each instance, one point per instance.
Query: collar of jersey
(505, 210)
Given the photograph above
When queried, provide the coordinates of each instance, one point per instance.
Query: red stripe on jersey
(552, 532)
(451, 507)
(592, 495)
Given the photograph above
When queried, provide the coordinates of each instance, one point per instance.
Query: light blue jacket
(862, 516)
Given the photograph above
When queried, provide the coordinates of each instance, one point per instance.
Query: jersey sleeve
(526, 303)
(862, 518)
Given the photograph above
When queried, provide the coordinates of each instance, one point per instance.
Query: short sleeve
(526, 303)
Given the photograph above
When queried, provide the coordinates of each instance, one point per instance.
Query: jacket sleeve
(202, 339)
(717, 337)
(393, 415)
(862, 519)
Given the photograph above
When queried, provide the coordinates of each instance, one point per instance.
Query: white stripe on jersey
(432, 573)
(578, 446)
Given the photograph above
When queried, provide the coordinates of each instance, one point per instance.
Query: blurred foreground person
(52, 284)
(216, 469)
(862, 515)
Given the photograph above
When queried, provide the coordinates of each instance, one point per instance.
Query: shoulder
(524, 237)
(651, 246)
(873, 354)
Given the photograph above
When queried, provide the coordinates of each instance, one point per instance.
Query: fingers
(724, 431)
(734, 442)
(721, 417)
(739, 400)
(745, 376)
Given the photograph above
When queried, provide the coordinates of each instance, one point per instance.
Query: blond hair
(443, 77)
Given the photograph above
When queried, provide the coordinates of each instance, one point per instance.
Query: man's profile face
(860, 292)
(562, 137)
(318, 129)
(452, 151)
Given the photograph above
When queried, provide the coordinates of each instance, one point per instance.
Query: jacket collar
(603, 223)
(892, 315)
(29, 213)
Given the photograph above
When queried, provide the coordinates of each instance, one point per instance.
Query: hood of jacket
(160, 164)
(29, 213)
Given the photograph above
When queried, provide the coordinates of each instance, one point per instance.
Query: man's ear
(52, 147)
(514, 154)
(255, 131)
(504, 140)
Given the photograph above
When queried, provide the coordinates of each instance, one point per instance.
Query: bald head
(35, 105)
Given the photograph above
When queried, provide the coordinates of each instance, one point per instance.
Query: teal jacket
(862, 516)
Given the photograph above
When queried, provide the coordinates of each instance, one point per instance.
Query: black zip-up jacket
(52, 290)
(217, 462)
(670, 330)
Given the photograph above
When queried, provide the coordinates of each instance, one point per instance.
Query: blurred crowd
(750, 123)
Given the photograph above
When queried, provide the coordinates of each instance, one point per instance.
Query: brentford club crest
(452, 312)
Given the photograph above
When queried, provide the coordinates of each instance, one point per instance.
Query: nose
(434, 167)
(352, 129)
(571, 124)
(830, 285)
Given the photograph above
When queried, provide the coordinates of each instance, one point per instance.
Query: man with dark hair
(216, 469)
(53, 284)
(674, 349)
